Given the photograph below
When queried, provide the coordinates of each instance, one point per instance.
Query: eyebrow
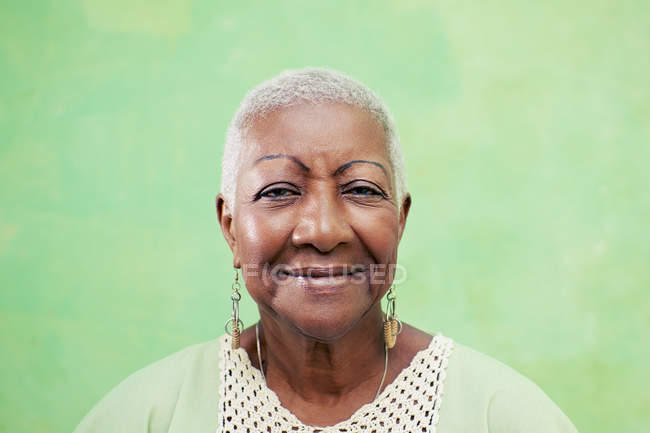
(337, 172)
(347, 165)
(282, 155)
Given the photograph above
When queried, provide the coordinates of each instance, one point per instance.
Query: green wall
(526, 128)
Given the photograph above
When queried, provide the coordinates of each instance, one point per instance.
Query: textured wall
(526, 128)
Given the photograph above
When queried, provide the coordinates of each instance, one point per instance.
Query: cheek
(260, 238)
(379, 232)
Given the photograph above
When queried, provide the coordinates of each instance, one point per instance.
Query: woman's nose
(322, 224)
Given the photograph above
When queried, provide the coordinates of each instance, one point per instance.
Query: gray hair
(308, 85)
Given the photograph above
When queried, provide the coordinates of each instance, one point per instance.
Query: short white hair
(310, 86)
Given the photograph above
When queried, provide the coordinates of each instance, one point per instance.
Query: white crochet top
(411, 403)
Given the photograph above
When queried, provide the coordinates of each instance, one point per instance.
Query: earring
(236, 324)
(392, 325)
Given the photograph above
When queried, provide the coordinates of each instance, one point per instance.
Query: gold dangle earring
(392, 325)
(236, 324)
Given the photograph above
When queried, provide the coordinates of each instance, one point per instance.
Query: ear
(224, 215)
(404, 213)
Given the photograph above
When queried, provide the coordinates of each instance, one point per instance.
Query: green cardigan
(179, 394)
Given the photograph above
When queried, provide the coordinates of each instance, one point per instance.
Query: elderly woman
(313, 207)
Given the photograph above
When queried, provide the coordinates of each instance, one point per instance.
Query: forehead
(330, 132)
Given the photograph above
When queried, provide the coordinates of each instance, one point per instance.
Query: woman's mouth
(323, 279)
(321, 271)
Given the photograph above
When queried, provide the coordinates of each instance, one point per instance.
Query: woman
(313, 207)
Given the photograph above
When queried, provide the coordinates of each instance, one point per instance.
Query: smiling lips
(322, 271)
(323, 280)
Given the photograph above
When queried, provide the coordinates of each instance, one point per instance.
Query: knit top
(411, 403)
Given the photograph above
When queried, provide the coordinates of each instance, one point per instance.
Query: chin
(323, 326)
(323, 332)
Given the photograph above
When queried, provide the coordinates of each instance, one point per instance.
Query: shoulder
(480, 391)
(155, 398)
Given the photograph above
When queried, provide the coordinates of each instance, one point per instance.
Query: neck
(324, 370)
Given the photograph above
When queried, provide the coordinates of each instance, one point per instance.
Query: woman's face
(315, 226)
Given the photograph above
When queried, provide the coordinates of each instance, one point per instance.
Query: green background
(526, 130)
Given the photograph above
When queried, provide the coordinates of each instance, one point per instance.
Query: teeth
(321, 273)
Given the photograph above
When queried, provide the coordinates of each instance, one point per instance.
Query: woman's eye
(278, 193)
(364, 191)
